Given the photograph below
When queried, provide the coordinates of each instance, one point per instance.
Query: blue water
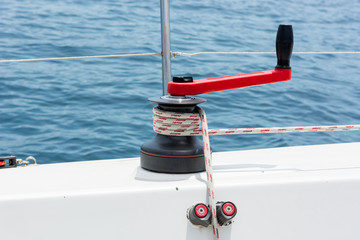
(63, 111)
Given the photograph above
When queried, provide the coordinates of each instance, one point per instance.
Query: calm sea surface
(63, 111)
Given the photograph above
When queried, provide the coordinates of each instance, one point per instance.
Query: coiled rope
(174, 54)
(188, 124)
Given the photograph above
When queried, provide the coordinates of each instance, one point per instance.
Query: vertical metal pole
(165, 44)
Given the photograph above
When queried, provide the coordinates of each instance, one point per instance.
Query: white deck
(308, 192)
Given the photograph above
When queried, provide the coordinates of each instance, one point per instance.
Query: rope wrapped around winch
(179, 124)
(188, 124)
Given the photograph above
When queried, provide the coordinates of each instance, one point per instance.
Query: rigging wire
(174, 54)
(80, 57)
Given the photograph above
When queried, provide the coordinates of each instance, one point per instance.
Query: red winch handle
(284, 44)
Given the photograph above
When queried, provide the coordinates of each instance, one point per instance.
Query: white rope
(174, 54)
(26, 161)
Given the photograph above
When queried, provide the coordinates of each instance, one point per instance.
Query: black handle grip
(284, 46)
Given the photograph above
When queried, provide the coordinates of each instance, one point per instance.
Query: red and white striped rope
(184, 124)
(209, 171)
(188, 124)
(167, 123)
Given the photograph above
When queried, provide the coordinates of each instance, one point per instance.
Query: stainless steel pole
(165, 44)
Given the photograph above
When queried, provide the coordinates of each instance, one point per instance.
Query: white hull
(308, 192)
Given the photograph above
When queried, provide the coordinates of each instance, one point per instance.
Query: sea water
(76, 110)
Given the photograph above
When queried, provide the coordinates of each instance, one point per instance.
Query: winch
(184, 154)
